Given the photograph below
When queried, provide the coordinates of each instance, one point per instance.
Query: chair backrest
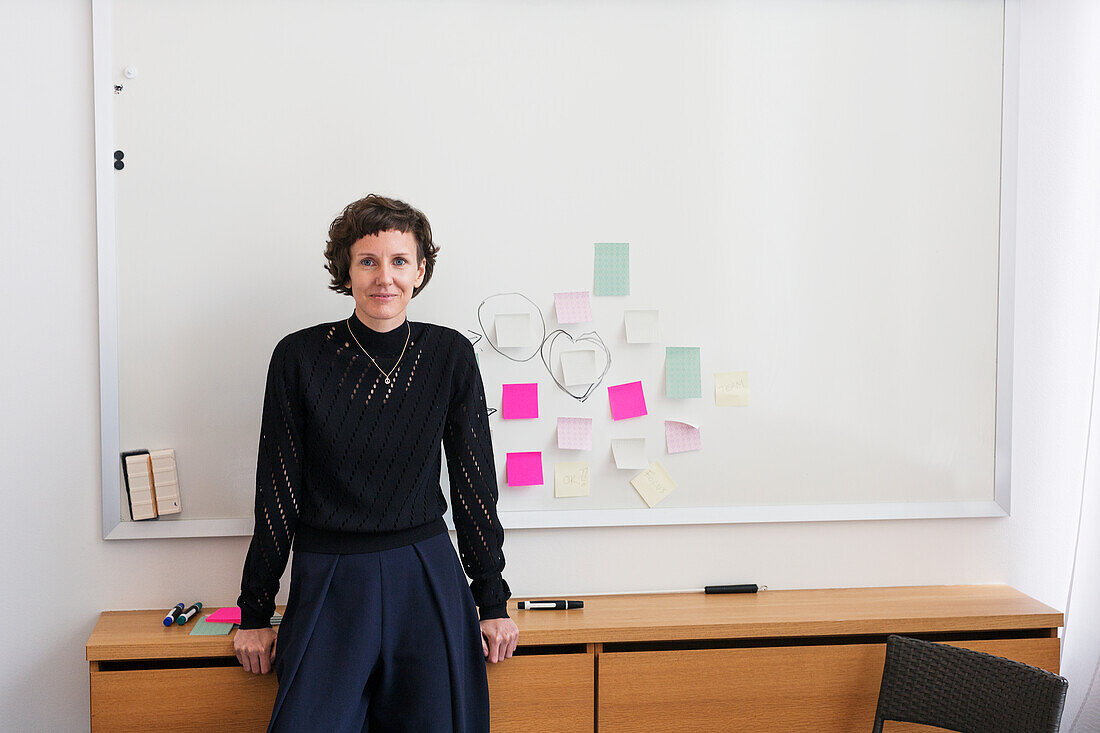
(966, 691)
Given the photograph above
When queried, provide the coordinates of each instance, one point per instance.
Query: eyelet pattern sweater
(348, 463)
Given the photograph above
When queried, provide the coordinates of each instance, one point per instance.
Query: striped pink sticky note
(682, 436)
(575, 433)
(573, 307)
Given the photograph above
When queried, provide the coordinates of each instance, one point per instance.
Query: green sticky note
(611, 275)
(683, 377)
(205, 628)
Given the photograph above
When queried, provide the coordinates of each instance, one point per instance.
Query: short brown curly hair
(371, 215)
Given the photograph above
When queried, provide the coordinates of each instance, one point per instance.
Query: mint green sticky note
(683, 376)
(611, 275)
(205, 628)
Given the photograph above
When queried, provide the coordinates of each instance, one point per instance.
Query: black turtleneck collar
(377, 343)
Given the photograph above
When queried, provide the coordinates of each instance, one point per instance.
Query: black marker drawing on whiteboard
(482, 311)
(546, 351)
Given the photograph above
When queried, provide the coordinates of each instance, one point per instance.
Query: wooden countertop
(669, 617)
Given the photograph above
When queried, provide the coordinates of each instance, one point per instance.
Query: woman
(380, 631)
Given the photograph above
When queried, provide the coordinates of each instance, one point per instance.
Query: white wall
(58, 574)
(1057, 288)
(1057, 280)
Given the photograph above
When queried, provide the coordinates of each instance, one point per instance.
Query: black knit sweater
(350, 464)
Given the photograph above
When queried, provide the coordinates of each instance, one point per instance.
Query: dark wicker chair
(966, 691)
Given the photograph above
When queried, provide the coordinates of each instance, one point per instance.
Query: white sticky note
(653, 484)
(578, 367)
(513, 329)
(642, 326)
(575, 433)
(682, 436)
(570, 479)
(629, 452)
(731, 389)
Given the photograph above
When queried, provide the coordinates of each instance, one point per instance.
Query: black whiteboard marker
(549, 605)
(743, 588)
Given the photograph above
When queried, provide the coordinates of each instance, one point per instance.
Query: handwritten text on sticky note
(570, 478)
(731, 389)
(653, 484)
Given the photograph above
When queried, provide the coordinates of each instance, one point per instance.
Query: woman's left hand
(498, 638)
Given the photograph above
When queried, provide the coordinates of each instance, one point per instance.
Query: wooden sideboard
(793, 660)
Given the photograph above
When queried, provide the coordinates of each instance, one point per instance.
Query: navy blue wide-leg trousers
(380, 641)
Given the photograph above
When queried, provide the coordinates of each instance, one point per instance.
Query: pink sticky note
(682, 436)
(227, 615)
(575, 433)
(525, 469)
(626, 400)
(520, 401)
(575, 307)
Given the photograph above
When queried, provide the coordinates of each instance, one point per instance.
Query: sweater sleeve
(278, 488)
(472, 475)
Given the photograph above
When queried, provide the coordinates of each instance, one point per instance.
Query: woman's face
(384, 272)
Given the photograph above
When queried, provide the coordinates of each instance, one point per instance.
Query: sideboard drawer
(194, 698)
(824, 689)
(543, 692)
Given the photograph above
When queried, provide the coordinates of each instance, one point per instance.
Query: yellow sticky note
(653, 484)
(731, 389)
(570, 479)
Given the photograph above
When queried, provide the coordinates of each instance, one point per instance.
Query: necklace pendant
(387, 380)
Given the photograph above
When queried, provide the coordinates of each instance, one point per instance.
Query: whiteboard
(812, 192)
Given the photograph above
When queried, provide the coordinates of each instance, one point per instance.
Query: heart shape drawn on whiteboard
(551, 358)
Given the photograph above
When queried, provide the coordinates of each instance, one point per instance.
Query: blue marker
(189, 613)
(173, 614)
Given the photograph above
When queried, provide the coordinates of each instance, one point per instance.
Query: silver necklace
(391, 371)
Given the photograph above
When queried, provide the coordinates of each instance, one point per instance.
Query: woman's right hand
(255, 649)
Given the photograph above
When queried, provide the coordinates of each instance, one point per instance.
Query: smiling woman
(386, 270)
(368, 219)
(348, 475)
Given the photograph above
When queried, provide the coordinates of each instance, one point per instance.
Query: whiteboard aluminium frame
(104, 75)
